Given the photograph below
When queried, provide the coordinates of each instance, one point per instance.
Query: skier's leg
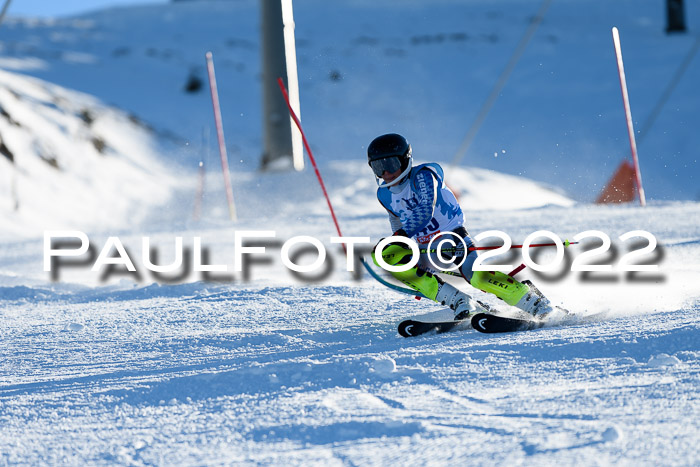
(523, 295)
(426, 283)
(501, 285)
(417, 279)
(462, 304)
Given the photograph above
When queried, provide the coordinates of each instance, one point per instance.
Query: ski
(488, 323)
(439, 321)
(412, 327)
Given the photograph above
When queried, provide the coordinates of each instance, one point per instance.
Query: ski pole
(475, 248)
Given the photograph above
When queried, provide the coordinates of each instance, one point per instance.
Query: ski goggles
(388, 164)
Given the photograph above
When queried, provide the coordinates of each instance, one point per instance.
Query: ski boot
(523, 295)
(534, 302)
(462, 304)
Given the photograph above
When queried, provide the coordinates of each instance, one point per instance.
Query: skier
(420, 207)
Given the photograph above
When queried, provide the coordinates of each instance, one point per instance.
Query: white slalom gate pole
(628, 115)
(220, 135)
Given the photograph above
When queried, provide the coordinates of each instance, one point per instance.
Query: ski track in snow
(220, 375)
(263, 373)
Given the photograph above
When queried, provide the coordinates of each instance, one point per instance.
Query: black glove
(398, 233)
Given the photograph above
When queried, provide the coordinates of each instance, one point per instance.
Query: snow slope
(367, 68)
(80, 151)
(71, 162)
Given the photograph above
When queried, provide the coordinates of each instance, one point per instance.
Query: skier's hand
(398, 233)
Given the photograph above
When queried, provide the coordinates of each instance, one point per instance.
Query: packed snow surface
(274, 371)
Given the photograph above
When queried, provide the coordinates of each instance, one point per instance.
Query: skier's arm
(426, 190)
(394, 219)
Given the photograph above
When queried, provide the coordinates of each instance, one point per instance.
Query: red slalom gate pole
(311, 156)
(478, 248)
(534, 245)
(220, 135)
(628, 114)
(519, 268)
(522, 266)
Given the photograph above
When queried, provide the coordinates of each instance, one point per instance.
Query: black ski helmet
(389, 146)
